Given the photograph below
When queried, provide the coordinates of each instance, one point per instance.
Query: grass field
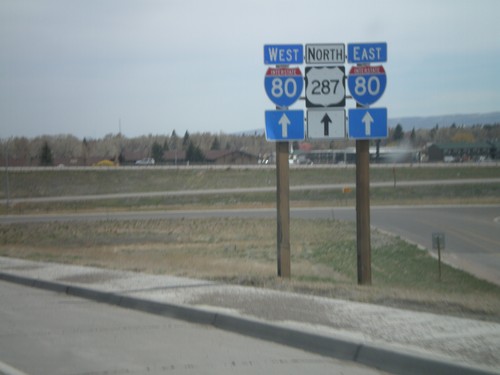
(71, 182)
(243, 251)
(54, 182)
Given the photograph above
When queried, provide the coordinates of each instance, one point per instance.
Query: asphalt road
(43, 332)
(472, 232)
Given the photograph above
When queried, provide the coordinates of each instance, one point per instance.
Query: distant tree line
(47, 150)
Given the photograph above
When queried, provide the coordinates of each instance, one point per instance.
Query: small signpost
(438, 243)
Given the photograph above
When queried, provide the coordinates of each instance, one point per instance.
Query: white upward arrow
(367, 120)
(284, 122)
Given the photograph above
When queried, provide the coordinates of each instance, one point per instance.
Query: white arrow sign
(284, 122)
(367, 120)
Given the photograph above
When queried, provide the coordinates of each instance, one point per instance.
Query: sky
(97, 67)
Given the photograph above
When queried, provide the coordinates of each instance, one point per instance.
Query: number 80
(370, 85)
(287, 87)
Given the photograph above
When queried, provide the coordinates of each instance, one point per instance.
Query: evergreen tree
(194, 154)
(215, 144)
(413, 137)
(185, 141)
(85, 151)
(46, 155)
(174, 139)
(157, 152)
(398, 133)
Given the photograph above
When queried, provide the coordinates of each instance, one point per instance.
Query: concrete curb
(381, 357)
(5, 369)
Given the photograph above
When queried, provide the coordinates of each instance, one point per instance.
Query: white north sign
(325, 53)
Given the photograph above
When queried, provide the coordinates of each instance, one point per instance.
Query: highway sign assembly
(325, 86)
(285, 125)
(367, 123)
(325, 91)
(325, 53)
(326, 124)
(366, 53)
(283, 54)
(283, 85)
(367, 83)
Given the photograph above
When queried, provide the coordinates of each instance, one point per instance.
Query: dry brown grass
(243, 251)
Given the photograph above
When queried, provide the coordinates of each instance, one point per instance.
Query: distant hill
(408, 123)
(444, 121)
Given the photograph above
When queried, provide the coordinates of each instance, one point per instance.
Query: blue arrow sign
(283, 54)
(285, 125)
(367, 123)
(366, 53)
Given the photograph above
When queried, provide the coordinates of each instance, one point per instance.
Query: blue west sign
(283, 54)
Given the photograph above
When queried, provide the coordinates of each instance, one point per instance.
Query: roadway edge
(382, 357)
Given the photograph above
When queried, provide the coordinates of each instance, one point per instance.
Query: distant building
(216, 157)
(348, 156)
(230, 157)
(460, 151)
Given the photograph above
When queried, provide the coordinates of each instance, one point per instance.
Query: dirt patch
(89, 278)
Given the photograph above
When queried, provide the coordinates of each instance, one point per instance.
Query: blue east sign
(366, 53)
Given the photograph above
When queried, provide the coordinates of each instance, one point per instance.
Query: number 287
(324, 87)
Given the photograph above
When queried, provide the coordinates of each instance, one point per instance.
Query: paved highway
(44, 332)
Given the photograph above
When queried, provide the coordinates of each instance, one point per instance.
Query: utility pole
(7, 182)
(363, 212)
(283, 207)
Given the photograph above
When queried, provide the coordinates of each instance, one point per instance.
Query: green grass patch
(68, 182)
(243, 251)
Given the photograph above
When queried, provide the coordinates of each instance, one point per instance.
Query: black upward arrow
(326, 120)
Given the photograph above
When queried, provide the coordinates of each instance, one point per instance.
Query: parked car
(147, 161)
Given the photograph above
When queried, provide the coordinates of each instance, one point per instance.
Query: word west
(277, 55)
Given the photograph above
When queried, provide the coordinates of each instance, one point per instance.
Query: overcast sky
(84, 67)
